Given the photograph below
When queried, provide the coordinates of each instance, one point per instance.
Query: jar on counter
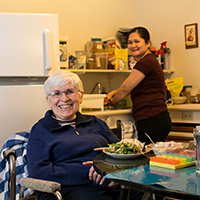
(80, 59)
(195, 96)
(186, 92)
(96, 45)
(90, 63)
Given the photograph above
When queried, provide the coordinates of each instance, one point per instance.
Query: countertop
(111, 116)
(126, 115)
(186, 106)
(107, 112)
(128, 111)
(98, 112)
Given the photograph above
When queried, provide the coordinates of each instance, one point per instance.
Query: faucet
(99, 88)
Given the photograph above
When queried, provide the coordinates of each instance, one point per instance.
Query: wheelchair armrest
(9, 152)
(40, 185)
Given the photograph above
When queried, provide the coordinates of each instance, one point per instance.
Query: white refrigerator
(29, 53)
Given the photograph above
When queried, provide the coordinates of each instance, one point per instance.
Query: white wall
(79, 19)
(165, 20)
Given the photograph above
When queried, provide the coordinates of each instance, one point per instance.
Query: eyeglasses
(68, 93)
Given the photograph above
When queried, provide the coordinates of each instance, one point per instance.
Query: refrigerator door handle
(47, 49)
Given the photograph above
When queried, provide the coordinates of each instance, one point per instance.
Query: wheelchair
(14, 179)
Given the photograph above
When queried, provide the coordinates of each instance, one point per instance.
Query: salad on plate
(126, 146)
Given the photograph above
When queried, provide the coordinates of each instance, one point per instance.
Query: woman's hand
(97, 178)
(107, 101)
(109, 97)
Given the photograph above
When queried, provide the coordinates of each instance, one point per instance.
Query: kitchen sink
(116, 107)
(93, 101)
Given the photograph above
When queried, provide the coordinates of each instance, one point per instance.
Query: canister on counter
(195, 96)
(101, 60)
(186, 92)
(80, 59)
(96, 45)
(90, 63)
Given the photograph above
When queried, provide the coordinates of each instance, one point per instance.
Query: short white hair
(62, 78)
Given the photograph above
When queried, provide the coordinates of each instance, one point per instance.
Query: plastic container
(194, 92)
(90, 63)
(101, 60)
(80, 59)
(194, 96)
(167, 147)
(96, 45)
(186, 92)
(195, 99)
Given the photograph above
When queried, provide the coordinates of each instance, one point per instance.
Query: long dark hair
(143, 32)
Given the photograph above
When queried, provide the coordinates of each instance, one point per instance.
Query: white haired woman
(61, 144)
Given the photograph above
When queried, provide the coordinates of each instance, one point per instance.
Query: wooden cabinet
(185, 117)
(181, 132)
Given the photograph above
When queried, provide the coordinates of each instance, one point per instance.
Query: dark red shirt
(148, 96)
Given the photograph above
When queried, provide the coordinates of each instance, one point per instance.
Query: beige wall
(165, 20)
(78, 19)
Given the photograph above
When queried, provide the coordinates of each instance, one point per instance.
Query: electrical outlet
(187, 115)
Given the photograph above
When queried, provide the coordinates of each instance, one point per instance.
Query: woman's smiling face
(64, 107)
(137, 45)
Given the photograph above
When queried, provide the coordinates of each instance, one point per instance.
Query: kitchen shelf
(184, 107)
(168, 71)
(83, 71)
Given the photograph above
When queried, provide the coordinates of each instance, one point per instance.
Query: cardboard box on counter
(117, 58)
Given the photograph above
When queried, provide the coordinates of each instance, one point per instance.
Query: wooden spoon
(149, 138)
(100, 148)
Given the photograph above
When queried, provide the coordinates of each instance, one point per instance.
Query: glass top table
(180, 183)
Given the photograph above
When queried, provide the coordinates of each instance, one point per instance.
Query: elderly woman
(61, 144)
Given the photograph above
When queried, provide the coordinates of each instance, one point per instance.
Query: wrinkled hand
(97, 178)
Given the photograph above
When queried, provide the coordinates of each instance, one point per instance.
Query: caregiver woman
(146, 85)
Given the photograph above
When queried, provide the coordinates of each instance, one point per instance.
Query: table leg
(124, 193)
(146, 196)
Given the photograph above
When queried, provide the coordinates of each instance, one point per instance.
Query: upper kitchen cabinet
(29, 44)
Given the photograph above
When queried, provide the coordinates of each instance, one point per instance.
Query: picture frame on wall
(191, 36)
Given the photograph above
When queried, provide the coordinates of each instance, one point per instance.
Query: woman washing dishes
(146, 85)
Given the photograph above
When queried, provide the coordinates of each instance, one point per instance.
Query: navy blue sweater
(56, 152)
